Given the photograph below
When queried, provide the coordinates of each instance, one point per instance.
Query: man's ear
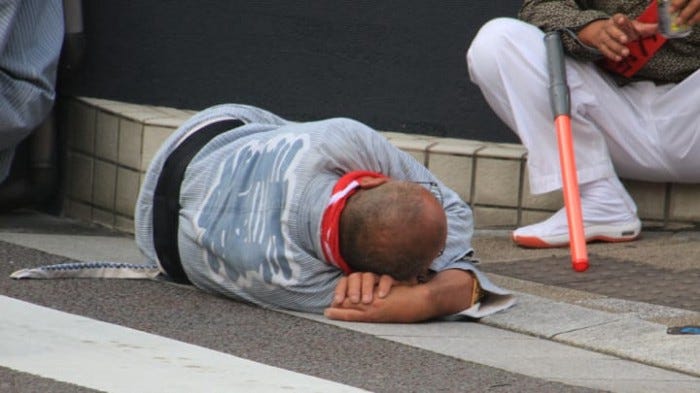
(371, 182)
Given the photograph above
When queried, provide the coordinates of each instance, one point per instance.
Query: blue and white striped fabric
(31, 35)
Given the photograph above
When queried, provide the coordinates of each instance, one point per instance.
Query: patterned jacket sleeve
(31, 34)
(568, 16)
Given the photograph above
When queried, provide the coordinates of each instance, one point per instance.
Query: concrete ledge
(110, 144)
(589, 348)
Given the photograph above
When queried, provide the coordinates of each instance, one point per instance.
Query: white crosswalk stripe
(112, 358)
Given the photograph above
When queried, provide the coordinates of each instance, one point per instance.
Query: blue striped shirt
(252, 201)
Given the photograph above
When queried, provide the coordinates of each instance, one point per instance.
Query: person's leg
(664, 148)
(31, 34)
(508, 61)
(658, 140)
(677, 123)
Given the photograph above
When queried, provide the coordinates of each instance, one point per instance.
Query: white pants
(641, 131)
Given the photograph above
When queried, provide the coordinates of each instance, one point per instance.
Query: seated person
(634, 104)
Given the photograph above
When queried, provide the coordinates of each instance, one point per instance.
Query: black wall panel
(395, 65)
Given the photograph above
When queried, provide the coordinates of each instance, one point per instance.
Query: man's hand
(689, 11)
(448, 292)
(610, 36)
(360, 287)
(405, 304)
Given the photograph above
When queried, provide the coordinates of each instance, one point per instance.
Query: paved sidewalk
(602, 329)
(622, 305)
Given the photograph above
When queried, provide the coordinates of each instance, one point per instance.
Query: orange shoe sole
(536, 242)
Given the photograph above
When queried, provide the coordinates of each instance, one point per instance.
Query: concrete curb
(522, 353)
(625, 335)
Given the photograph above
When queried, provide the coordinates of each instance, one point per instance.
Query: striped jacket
(252, 200)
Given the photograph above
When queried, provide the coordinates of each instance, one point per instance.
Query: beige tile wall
(110, 145)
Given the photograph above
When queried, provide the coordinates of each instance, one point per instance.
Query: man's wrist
(586, 33)
(449, 292)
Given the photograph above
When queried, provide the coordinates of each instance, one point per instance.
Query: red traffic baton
(561, 107)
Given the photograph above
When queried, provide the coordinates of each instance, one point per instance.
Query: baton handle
(558, 87)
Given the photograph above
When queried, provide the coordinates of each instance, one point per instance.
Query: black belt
(166, 198)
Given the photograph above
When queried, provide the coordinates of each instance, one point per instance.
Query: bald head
(397, 228)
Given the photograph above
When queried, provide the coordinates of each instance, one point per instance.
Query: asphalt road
(269, 337)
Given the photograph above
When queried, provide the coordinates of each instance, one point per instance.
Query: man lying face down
(323, 217)
(392, 227)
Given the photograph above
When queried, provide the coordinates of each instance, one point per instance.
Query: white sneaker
(609, 215)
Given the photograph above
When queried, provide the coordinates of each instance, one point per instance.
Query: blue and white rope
(93, 269)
